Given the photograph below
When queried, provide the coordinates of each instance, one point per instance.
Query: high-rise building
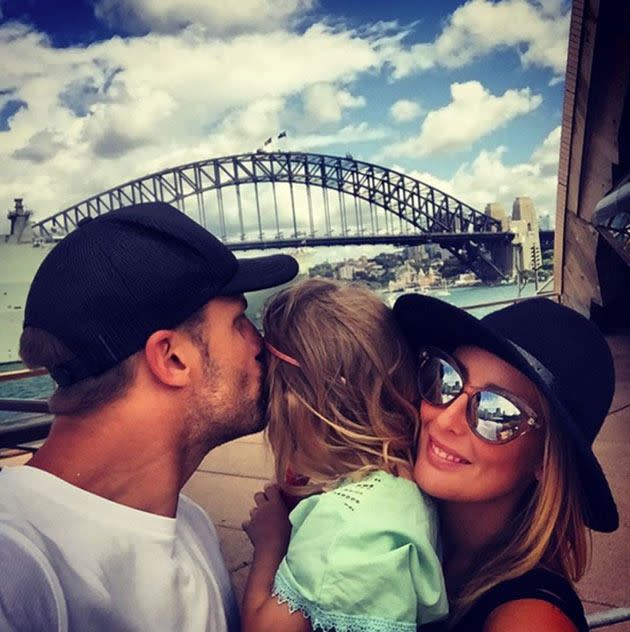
(497, 211)
(524, 225)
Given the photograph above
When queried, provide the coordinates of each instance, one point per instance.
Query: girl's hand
(268, 526)
(269, 530)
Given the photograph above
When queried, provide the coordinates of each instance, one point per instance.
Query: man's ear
(168, 356)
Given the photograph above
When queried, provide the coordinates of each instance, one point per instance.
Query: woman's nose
(452, 418)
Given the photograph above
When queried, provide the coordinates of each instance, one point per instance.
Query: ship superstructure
(20, 255)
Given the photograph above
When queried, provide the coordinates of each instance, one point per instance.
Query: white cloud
(404, 110)
(246, 128)
(121, 108)
(41, 147)
(113, 129)
(472, 113)
(537, 31)
(362, 132)
(488, 178)
(324, 103)
(553, 7)
(216, 16)
(102, 114)
(547, 155)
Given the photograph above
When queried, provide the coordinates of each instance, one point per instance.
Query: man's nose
(257, 338)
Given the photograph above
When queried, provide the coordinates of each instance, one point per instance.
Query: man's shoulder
(20, 540)
(189, 510)
(26, 571)
(195, 517)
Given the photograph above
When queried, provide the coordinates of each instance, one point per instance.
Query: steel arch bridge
(402, 209)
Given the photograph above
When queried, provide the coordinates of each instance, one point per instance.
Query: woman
(510, 407)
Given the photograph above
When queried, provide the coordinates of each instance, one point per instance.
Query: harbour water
(42, 386)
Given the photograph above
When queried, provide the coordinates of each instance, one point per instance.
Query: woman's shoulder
(538, 584)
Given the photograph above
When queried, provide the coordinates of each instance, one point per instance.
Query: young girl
(510, 407)
(359, 553)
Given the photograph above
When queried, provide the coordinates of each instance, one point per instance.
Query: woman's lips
(443, 456)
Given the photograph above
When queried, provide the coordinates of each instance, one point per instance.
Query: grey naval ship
(21, 252)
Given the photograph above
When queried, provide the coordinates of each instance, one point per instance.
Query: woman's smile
(443, 457)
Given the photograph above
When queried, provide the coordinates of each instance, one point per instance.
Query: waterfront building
(345, 272)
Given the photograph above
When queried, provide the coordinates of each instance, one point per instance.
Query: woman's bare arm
(524, 615)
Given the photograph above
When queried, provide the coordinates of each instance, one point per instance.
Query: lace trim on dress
(338, 621)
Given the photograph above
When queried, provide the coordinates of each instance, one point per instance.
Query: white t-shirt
(71, 560)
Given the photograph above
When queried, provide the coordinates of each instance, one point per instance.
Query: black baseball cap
(119, 277)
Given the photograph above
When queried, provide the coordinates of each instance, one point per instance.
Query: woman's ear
(168, 357)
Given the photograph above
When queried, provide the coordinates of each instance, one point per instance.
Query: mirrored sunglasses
(494, 415)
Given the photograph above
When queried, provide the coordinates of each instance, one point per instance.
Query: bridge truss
(400, 209)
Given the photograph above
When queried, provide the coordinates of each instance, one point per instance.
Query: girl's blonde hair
(351, 405)
(547, 530)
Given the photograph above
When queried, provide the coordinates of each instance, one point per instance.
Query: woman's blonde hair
(351, 405)
(547, 529)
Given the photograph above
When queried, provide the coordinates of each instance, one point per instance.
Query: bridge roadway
(443, 239)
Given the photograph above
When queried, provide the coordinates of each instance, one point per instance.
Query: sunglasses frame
(531, 418)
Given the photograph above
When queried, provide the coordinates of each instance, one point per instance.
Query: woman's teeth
(447, 456)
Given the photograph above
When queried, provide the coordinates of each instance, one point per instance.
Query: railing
(607, 617)
(612, 218)
(35, 428)
(511, 301)
(19, 374)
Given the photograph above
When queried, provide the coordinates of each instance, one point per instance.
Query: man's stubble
(225, 407)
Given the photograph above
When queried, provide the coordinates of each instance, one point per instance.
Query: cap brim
(259, 273)
(429, 321)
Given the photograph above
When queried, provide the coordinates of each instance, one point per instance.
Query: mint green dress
(363, 558)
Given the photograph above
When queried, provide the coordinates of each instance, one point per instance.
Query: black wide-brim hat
(559, 350)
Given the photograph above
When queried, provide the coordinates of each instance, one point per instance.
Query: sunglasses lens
(439, 382)
(498, 419)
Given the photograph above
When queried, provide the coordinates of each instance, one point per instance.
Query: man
(139, 316)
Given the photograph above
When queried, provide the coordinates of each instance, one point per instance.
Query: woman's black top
(538, 583)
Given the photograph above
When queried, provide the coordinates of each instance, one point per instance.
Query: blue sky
(463, 95)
